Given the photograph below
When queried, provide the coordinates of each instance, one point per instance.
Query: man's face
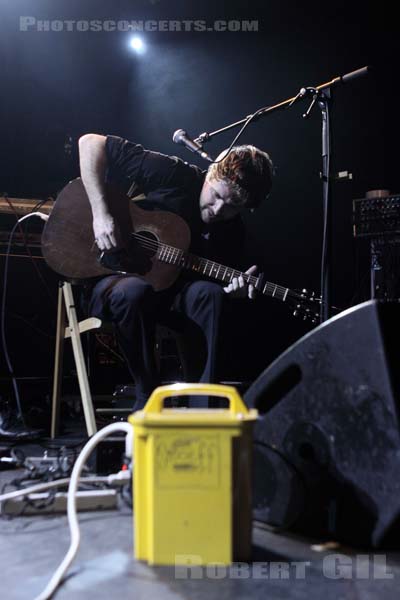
(218, 202)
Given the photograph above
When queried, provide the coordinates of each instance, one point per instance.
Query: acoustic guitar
(154, 246)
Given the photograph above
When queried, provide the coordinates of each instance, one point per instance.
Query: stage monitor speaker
(327, 443)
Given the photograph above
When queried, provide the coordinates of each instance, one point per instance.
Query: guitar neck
(219, 272)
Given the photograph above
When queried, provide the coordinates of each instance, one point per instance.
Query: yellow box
(192, 479)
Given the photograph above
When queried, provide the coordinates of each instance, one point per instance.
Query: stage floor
(285, 565)
(32, 547)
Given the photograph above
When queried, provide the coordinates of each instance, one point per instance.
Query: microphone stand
(321, 95)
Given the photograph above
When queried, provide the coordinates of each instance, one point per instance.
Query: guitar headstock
(306, 305)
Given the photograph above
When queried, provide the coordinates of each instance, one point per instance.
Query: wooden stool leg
(58, 362)
(73, 325)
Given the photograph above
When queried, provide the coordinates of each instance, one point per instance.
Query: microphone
(181, 137)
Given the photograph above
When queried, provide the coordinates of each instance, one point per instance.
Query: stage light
(137, 44)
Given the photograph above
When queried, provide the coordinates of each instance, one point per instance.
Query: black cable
(39, 504)
(241, 131)
(326, 233)
(98, 337)
(37, 329)
(25, 242)
(40, 204)
(2, 326)
(2, 323)
(36, 267)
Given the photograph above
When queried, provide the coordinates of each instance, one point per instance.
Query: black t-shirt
(171, 184)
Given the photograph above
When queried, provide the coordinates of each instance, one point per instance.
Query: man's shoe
(13, 430)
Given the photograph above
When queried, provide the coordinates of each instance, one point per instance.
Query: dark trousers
(135, 309)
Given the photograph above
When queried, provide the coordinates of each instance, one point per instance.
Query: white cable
(41, 487)
(71, 506)
(41, 215)
(119, 478)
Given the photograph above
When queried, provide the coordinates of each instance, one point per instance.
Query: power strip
(85, 500)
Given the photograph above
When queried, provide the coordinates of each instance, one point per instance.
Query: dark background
(56, 85)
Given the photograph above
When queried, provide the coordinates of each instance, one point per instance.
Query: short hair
(248, 169)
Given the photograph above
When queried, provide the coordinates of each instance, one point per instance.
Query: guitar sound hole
(147, 242)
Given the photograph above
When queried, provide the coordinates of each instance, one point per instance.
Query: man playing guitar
(211, 204)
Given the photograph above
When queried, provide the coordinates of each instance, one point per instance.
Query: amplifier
(376, 216)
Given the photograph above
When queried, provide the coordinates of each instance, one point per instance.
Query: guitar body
(69, 248)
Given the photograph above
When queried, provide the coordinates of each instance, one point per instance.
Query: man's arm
(93, 165)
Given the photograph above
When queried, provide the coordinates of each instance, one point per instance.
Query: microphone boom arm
(205, 137)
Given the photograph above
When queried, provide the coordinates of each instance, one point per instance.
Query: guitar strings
(176, 254)
(172, 252)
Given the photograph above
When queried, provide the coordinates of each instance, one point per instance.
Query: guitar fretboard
(210, 268)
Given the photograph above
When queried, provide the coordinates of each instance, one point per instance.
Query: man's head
(241, 180)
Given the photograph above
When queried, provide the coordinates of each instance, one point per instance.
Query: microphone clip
(181, 137)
